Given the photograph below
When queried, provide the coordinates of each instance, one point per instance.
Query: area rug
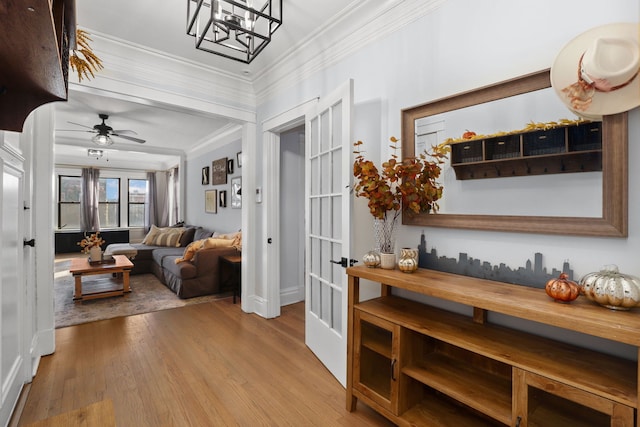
(147, 295)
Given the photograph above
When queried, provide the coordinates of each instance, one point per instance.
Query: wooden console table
(421, 365)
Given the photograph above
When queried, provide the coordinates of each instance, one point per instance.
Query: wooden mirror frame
(612, 223)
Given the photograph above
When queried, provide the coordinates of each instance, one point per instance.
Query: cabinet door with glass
(543, 402)
(376, 345)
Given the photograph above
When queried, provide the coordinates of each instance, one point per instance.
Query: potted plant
(401, 185)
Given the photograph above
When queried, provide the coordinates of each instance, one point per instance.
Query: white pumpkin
(612, 289)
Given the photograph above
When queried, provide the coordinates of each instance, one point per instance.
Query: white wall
(461, 46)
(226, 219)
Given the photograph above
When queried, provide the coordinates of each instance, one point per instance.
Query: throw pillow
(237, 242)
(148, 239)
(190, 251)
(187, 237)
(212, 242)
(201, 233)
(226, 235)
(168, 237)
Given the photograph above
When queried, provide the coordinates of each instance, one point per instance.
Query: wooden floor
(202, 365)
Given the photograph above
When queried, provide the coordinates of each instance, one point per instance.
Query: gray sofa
(197, 277)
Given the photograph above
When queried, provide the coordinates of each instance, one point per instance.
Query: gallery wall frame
(230, 167)
(236, 192)
(239, 159)
(219, 171)
(205, 175)
(223, 199)
(211, 201)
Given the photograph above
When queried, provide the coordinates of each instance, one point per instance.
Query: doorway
(291, 236)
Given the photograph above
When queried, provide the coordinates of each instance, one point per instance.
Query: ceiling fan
(104, 132)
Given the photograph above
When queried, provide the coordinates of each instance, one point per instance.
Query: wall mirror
(608, 216)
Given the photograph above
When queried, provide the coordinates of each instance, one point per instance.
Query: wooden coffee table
(116, 284)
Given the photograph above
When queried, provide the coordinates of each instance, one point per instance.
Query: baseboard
(291, 296)
(14, 421)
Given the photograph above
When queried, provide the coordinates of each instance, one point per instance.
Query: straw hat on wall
(596, 73)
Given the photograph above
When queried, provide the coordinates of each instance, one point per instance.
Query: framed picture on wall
(223, 199)
(239, 159)
(211, 201)
(205, 175)
(236, 192)
(230, 166)
(219, 172)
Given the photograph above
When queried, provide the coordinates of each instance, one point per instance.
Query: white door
(13, 355)
(327, 228)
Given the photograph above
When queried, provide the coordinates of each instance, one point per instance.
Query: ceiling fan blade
(75, 130)
(84, 126)
(130, 138)
(124, 132)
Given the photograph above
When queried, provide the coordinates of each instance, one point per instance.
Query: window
(109, 202)
(69, 202)
(137, 198)
(121, 201)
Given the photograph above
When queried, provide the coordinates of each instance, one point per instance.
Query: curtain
(174, 205)
(89, 200)
(157, 212)
(150, 211)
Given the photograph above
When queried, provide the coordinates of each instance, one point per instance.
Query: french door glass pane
(336, 175)
(325, 136)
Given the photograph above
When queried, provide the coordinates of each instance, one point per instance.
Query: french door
(327, 227)
(13, 353)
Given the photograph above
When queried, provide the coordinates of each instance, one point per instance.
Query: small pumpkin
(562, 289)
(468, 134)
(371, 259)
(612, 289)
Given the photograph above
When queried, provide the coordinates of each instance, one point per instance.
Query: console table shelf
(495, 372)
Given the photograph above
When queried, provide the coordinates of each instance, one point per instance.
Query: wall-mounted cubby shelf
(562, 149)
(421, 365)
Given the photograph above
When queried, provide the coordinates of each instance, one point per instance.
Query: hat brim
(564, 72)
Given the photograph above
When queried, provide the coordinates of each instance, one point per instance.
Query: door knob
(31, 242)
(344, 262)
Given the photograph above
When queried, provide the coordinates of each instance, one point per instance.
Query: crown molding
(229, 133)
(356, 27)
(135, 64)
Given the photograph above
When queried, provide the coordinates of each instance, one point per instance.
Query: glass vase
(385, 233)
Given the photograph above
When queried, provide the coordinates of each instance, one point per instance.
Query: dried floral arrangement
(91, 241)
(82, 60)
(409, 184)
(530, 127)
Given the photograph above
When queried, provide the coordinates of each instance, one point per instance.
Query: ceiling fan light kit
(100, 139)
(233, 29)
(92, 152)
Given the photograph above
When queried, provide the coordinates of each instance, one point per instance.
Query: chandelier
(234, 29)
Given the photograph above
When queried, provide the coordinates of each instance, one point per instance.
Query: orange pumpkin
(562, 289)
(468, 134)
